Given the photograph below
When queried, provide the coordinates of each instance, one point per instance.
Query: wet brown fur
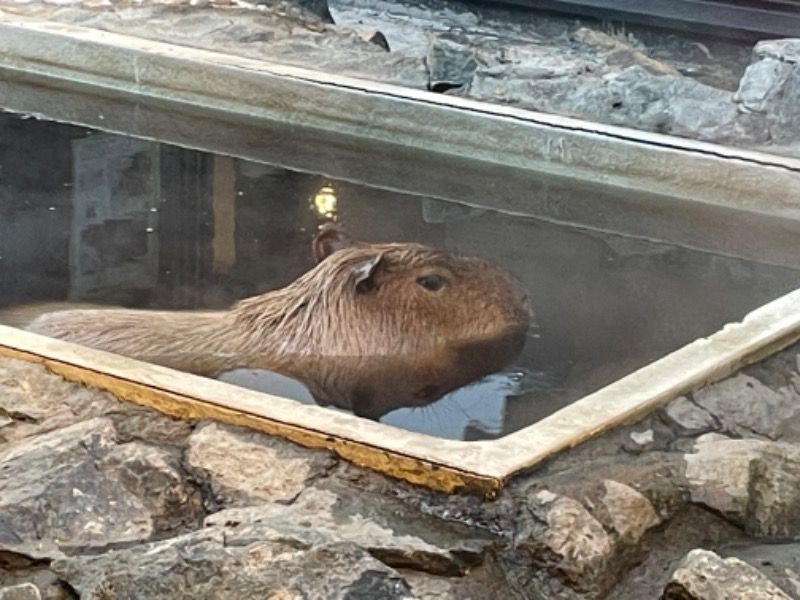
(359, 330)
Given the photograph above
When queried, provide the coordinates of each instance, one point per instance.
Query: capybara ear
(330, 238)
(364, 274)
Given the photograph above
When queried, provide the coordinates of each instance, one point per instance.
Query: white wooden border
(447, 465)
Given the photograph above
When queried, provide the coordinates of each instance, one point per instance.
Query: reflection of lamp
(324, 202)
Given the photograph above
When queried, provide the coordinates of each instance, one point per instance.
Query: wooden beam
(223, 203)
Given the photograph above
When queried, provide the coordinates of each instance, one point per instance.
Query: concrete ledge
(67, 58)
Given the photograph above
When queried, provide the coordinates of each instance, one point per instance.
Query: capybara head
(393, 325)
(371, 328)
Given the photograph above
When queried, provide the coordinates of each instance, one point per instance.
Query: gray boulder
(74, 489)
(23, 591)
(771, 87)
(320, 517)
(242, 467)
(558, 535)
(746, 407)
(754, 484)
(205, 565)
(703, 575)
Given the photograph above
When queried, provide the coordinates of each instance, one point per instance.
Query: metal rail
(752, 19)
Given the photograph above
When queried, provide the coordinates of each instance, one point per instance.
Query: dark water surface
(90, 216)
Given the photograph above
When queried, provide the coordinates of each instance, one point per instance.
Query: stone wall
(101, 499)
(699, 87)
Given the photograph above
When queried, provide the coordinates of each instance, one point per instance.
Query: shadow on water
(90, 216)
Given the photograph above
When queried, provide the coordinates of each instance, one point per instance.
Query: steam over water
(90, 216)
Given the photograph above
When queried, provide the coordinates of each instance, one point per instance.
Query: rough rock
(320, 517)
(24, 591)
(300, 40)
(635, 98)
(492, 60)
(66, 490)
(746, 407)
(655, 472)
(620, 54)
(671, 84)
(718, 473)
(315, 532)
(642, 438)
(242, 467)
(450, 62)
(204, 564)
(780, 562)
(774, 504)
(753, 483)
(631, 513)
(155, 476)
(762, 83)
(703, 575)
(20, 574)
(785, 50)
(543, 63)
(559, 535)
(771, 87)
(138, 423)
(35, 401)
(426, 588)
(51, 493)
(689, 417)
(693, 527)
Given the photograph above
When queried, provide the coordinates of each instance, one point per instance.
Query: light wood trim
(187, 396)
(445, 465)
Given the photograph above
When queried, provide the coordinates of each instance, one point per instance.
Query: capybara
(371, 328)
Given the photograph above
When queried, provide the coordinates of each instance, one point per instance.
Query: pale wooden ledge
(445, 465)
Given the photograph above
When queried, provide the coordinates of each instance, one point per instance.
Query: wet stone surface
(699, 500)
(240, 467)
(703, 574)
(205, 564)
(697, 87)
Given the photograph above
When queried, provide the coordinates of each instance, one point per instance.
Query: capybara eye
(432, 283)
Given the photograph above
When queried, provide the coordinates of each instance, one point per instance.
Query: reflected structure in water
(89, 216)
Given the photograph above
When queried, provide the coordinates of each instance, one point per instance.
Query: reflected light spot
(325, 202)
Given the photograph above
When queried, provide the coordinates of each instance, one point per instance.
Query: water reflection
(87, 216)
(474, 412)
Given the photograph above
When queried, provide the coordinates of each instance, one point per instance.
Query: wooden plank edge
(773, 327)
(479, 467)
(414, 470)
(643, 410)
